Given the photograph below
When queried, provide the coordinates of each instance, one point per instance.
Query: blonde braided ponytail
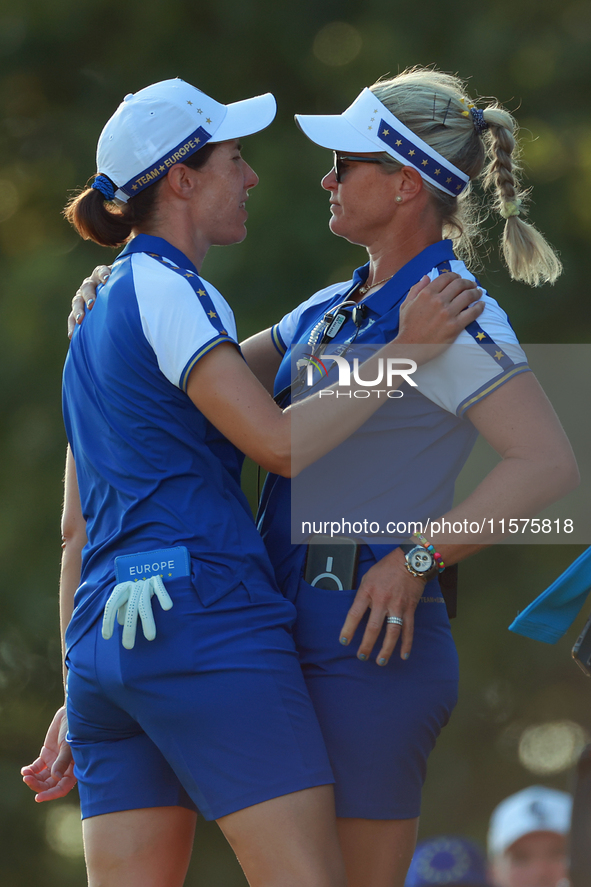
(528, 255)
(435, 106)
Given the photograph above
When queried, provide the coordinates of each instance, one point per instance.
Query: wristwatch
(419, 560)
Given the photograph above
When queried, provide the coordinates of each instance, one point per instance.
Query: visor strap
(410, 154)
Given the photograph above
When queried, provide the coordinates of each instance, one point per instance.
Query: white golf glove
(130, 599)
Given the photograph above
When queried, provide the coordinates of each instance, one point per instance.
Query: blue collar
(145, 243)
(398, 286)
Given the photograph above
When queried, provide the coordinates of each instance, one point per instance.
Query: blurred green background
(524, 708)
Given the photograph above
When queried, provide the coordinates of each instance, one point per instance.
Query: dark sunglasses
(355, 158)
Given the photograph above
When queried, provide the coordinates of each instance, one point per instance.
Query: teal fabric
(552, 613)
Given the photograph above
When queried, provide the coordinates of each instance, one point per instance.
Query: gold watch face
(420, 560)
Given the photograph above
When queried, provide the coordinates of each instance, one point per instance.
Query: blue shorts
(380, 723)
(213, 714)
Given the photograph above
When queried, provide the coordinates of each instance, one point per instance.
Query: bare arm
(225, 391)
(262, 358)
(51, 775)
(73, 541)
(537, 468)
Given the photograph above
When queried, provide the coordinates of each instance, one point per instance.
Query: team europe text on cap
(166, 122)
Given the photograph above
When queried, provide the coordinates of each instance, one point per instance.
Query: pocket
(212, 583)
(323, 606)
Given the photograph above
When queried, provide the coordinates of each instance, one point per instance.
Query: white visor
(368, 126)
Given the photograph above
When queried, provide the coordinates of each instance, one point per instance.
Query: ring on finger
(394, 620)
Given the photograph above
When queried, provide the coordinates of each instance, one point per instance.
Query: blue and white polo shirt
(152, 471)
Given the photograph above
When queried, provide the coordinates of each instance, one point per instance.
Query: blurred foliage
(64, 67)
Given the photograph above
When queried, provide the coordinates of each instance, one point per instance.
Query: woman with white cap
(207, 709)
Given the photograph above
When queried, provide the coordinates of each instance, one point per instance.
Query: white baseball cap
(535, 809)
(368, 126)
(164, 123)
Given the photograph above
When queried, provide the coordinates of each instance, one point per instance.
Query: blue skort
(380, 723)
(213, 714)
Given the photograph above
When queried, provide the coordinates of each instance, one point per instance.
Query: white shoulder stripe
(173, 321)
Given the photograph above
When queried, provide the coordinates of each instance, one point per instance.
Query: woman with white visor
(207, 708)
(405, 154)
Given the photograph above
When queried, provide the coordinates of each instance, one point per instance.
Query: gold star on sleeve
(481, 336)
(499, 354)
(212, 314)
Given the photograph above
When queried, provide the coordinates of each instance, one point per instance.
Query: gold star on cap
(370, 127)
(447, 181)
(212, 314)
(481, 336)
(199, 111)
(188, 274)
(200, 292)
(386, 132)
(223, 333)
(161, 168)
(458, 187)
(189, 103)
(411, 153)
(424, 163)
(499, 354)
(398, 143)
(437, 172)
(375, 110)
(208, 119)
(134, 187)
